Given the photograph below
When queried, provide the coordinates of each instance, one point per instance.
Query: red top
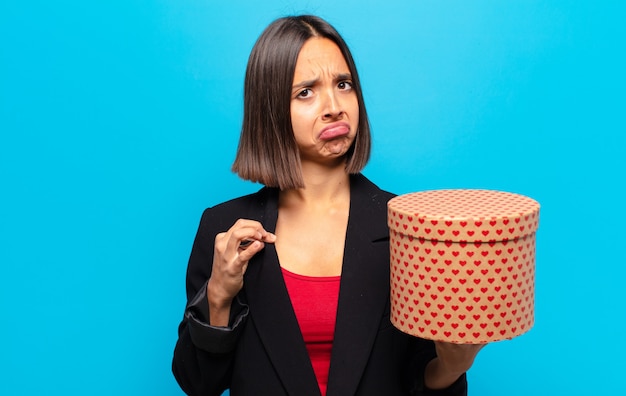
(314, 300)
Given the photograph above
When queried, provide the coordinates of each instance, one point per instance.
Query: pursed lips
(334, 130)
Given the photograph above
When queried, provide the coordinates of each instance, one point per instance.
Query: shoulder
(364, 189)
(368, 207)
(256, 198)
(252, 206)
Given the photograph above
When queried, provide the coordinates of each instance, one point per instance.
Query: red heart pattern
(463, 264)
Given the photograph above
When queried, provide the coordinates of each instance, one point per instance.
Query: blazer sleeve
(203, 356)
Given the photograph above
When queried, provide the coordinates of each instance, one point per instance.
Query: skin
(323, 101)
(312, 221)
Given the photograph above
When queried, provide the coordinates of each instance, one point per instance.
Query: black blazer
(263, 352)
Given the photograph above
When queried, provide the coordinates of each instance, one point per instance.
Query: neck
(323, 185)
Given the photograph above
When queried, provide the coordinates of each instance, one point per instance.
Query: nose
(332, 105)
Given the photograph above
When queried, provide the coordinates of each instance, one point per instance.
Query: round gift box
(463, 264)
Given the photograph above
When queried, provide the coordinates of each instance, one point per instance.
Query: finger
(243, 236)
(241, 242)
(245, 243)
(269, 237)
(245, 254)
(251, 224)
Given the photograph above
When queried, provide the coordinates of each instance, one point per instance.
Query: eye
(345, 85)
(305, 93)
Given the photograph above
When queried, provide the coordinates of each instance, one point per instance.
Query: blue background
(119, 121)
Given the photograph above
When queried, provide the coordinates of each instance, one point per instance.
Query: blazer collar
(361, 299)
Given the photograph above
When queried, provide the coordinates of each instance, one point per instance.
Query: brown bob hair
(267, 151)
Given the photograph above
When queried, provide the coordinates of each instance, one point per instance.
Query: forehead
(320, 55)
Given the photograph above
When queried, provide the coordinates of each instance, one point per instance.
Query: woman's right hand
(230, 261)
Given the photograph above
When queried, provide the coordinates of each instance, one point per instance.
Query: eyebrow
(309, 83)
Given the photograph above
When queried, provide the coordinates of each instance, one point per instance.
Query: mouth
(333, 131)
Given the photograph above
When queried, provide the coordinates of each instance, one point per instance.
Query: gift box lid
(463, 215)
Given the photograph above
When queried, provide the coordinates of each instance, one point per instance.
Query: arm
(199, 371)
(205, 348)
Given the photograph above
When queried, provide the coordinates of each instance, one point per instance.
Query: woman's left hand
(451, 362)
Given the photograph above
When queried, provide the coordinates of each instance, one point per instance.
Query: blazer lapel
(361, 299)
(272, 313)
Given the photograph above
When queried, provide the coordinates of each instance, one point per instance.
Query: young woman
(288, 288)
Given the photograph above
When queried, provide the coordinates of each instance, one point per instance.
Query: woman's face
(324, 106)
